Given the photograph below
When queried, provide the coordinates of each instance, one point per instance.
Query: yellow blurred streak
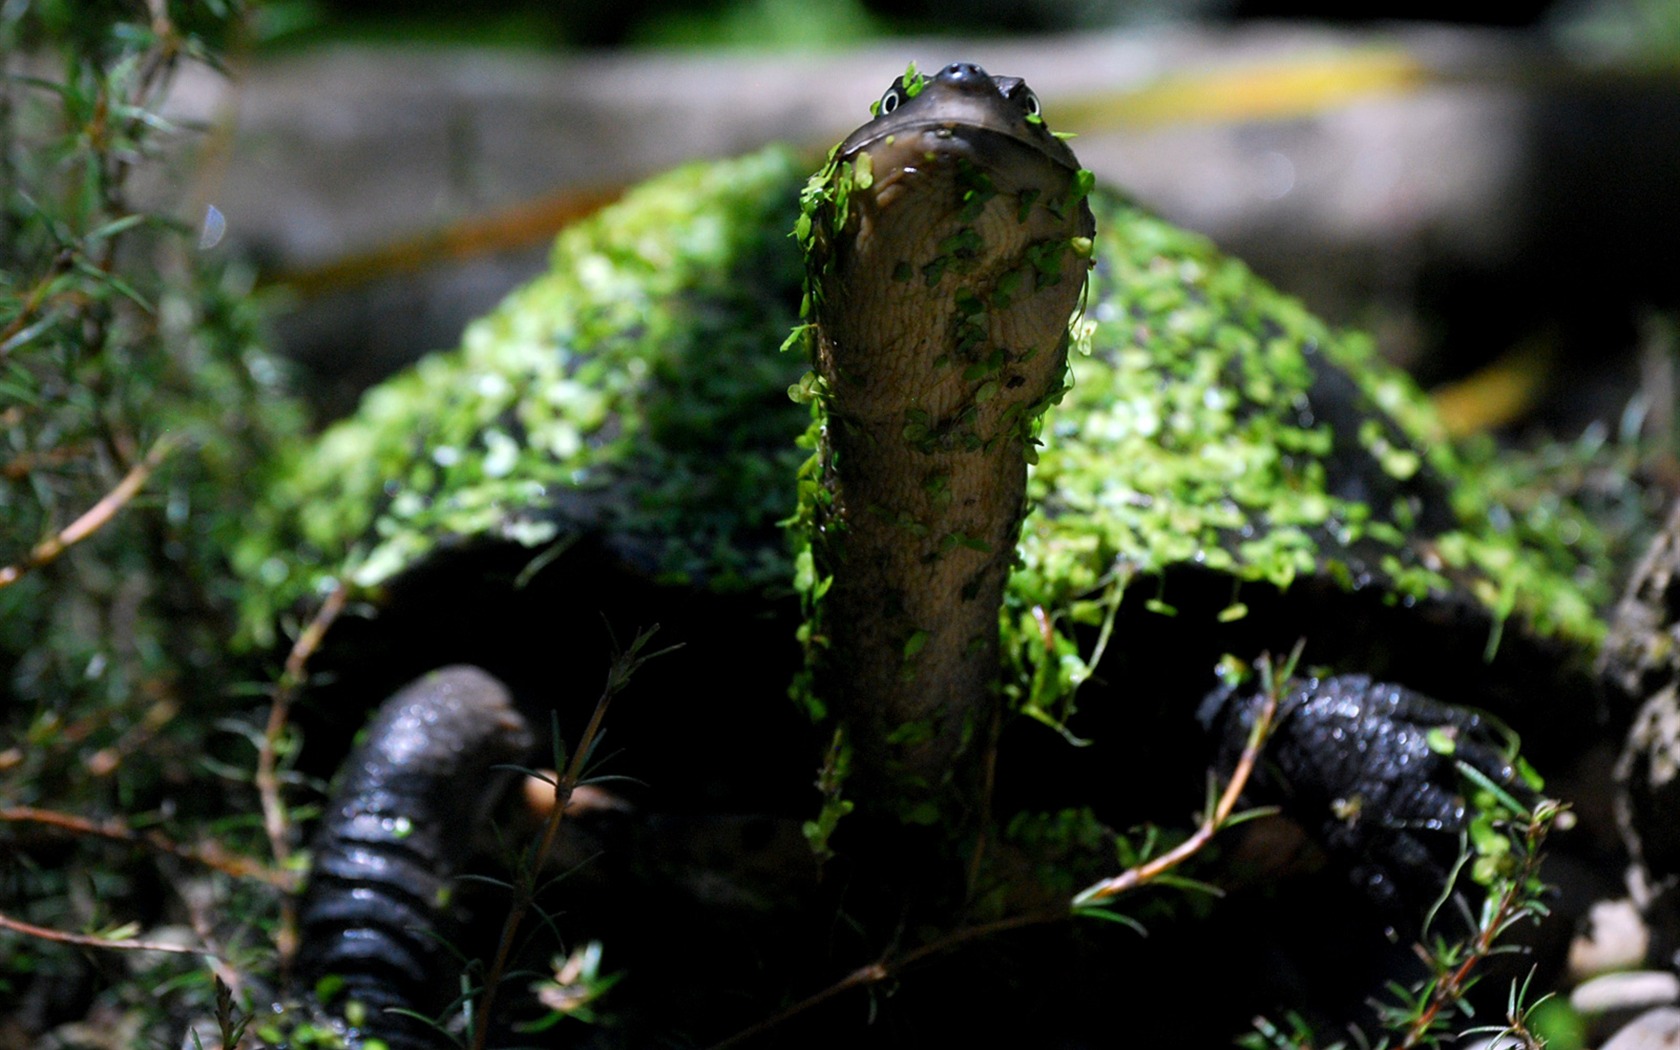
(1285, 88)
(531, 222)
(1499, 394)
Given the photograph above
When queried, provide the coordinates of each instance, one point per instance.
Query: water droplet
(214, 227)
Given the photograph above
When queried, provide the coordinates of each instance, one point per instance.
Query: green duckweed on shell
(636, 389)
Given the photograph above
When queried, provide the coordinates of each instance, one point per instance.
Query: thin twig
(862, 977)
(279, 711)
(32, 303)
(209, 854)
(624, 665)
(275, 823)
(95, 517)
(87, 940)
(1155, 867)
(1126, 881)
(881, 970)
(1452, 986)
(201, 915)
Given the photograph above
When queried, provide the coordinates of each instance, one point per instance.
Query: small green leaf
(1442, 740)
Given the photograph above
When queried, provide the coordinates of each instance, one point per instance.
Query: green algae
(1200, 428)
(634, 389)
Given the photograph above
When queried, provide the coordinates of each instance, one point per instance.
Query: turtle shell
(634, 391)
(1224, 468)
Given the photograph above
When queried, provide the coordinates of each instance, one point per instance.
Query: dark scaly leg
(1353, 761)
(395, 835)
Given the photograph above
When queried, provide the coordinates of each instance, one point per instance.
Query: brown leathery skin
(941, 312)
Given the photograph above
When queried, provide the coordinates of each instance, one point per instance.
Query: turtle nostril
(963, 72)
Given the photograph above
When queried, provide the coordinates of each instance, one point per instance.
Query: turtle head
(962, 107)
(947, 241)
(946, 247)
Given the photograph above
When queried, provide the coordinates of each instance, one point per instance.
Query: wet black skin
(392, 841)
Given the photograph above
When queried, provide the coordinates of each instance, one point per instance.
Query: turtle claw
(1374, 772)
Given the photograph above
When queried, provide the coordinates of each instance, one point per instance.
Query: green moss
(1188, 437)
(634, 389)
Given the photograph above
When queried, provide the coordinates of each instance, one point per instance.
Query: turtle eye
(1031, 100)
(890, 100)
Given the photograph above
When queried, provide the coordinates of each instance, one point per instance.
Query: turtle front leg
(1372, 770)
(397, 831)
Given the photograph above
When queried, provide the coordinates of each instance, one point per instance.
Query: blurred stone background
(1468, 192)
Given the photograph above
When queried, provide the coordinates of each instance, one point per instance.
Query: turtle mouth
(987, 147)
(910, 161)
(961, 101)
(911, 154)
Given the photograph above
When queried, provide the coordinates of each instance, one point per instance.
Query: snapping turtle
(1054, 450)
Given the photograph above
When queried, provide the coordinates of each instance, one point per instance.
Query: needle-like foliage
(136, 403)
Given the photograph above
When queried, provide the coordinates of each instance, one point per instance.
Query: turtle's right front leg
(397, 831)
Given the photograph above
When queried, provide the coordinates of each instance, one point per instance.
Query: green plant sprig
(525, 884)
(1092, 902)
(1500, 851)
